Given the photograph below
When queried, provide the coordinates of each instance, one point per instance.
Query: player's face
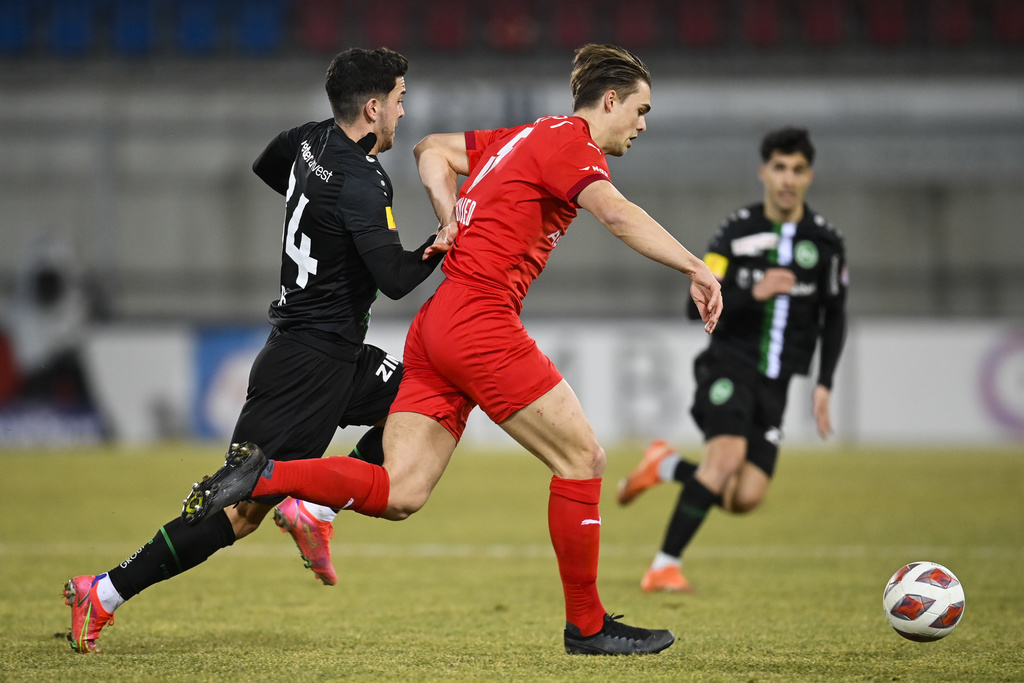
(392, 110)
(629, 120)
(786, 178)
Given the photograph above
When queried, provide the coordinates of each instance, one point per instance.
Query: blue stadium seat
(134, 26)
(15, 26)
(259, 25)
(197, 26)
(72, 26)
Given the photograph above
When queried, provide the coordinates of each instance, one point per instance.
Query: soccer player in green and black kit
(315, 373)
(783, 273)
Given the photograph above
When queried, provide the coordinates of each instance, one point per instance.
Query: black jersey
(777, 337)
(338, 203)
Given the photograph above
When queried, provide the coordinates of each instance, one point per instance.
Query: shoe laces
(616, 629)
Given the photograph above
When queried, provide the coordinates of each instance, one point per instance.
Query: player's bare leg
(555, 429)
(745, 490)
(417, 450)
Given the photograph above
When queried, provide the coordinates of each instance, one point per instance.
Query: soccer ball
(923, 601)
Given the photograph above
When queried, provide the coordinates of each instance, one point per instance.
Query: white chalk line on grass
(527, 551)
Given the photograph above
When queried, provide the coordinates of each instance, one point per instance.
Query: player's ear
(610, 98)
(371, 110)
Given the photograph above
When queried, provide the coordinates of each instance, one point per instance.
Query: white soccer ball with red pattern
(923, 601)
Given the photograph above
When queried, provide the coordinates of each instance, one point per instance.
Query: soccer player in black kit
(314, 373)
(783, 272)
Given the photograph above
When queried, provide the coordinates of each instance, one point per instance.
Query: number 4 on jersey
(299, 252)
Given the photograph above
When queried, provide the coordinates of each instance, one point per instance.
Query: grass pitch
(467, 589)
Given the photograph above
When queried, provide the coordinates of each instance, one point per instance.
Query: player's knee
(741, 505)
(587, 463)
(404, 505)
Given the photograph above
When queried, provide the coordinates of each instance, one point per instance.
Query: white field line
(527, 551)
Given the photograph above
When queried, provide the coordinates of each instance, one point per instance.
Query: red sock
(340, 483)
(575, 525)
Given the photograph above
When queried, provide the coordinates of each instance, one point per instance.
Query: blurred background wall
(128, 128)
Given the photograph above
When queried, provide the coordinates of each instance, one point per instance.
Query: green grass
(467, 589)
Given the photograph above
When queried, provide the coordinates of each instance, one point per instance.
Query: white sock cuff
(107, 594)
(667, 467)
(661, 560)
(321, 512)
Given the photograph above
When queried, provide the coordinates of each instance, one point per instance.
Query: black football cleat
(616, 638)
(232, 483)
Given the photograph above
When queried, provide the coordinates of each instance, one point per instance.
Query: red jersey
(519, 200)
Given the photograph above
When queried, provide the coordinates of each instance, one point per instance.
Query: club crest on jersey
(721, 391)
(806, 254)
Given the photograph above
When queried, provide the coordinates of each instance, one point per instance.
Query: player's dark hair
(600, 68)
(788, 140)
(357, 75)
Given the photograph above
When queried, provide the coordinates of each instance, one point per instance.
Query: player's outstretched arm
(646, 236)
(440, 159)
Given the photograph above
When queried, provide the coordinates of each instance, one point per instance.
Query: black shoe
(616, 638)
(234, 482)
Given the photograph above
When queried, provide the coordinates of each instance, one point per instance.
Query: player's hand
(443, 242)
(775, 281)
(821, 398)
(706, 291)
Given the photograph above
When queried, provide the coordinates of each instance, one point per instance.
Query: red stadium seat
(573, 23)
(447, 25)
(951, 22)
(761, 22)
(699, 23)
(388, 29)
(635, 24)
(1008, 21)
(887, 22)
(511, 26)
(320, 23)
(823, 22)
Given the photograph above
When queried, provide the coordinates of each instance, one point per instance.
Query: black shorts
(732, 400)
(299, 396)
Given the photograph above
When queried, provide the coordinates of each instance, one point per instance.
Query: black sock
(684, 470)
(370, 447)
(175, 548)
(692, 508)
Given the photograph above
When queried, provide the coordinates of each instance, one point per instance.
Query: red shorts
(468, 347)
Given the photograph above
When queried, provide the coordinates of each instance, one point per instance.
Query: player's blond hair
(600, 68)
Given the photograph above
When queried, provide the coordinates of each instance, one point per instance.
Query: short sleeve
(366, 212)
(574, 166)
(477, 141)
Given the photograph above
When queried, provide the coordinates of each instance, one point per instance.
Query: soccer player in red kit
(468, 347)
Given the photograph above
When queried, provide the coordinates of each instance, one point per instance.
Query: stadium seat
(699, 23)
(761, 22)
(822, 22)
(134, 27)
(198, 25)
(635, 24)
(572, 23)
(887, 22)
(511, 26)
(388, 29)
(320, 24)
(72, 26)
(15, 26)
(1008, 21)
(951, 22)
(259, 25)
(447, 25)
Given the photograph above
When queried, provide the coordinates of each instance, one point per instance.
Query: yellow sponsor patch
(717, 263)
(391, 219)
